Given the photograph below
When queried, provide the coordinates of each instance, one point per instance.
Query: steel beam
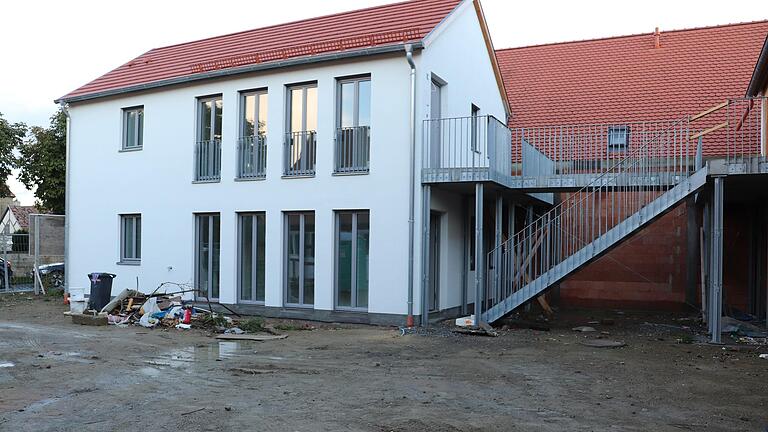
(716, 263)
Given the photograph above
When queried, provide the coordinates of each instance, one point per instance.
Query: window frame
(199, 123)
(289, 105)
(356, 80)
(135, 239)
(257, 109)
(474, 126)
(353, 258)
(615, 148)
(138, 128)
(207, 218)
(254, 256)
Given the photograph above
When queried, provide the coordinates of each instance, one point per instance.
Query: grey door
(435, 124)
(433, 294)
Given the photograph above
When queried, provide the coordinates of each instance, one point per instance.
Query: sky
(53, 47)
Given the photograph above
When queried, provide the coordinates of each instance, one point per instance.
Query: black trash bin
(101, 290)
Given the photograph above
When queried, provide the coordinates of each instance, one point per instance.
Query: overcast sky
(52, 47)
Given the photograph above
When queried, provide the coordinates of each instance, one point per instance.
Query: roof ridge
(764, 21)
(335, 14)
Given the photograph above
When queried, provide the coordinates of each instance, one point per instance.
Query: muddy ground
(60, 377)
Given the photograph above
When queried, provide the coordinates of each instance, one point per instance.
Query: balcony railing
(208, 160)
(353, 149)
(252, 157)
(475, 148)
(300, 153)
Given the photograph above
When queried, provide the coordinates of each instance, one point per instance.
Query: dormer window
(618, 138)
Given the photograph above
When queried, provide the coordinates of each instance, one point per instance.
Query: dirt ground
(55, 375)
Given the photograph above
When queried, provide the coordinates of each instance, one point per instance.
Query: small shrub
(253, 325)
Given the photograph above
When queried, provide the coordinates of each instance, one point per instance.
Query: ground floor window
(251, 249)
(352, 246)
(207, 254)
(130, 238)
(300, 258)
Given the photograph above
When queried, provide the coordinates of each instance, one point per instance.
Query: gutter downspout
(411, 184)
(65, 108)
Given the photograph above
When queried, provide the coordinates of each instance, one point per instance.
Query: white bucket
(78, 302)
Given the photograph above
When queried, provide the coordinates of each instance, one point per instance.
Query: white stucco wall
(456, 53)
(157, 182)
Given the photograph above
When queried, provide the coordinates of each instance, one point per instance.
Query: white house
(279, 170)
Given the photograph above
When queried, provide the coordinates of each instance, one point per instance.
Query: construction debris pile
(134, 307)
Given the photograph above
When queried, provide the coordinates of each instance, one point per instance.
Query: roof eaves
(760, 75)
(241, 70)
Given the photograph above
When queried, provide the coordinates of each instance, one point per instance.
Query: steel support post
(692, 252)
(497, 247)
(465, 255)
(479, 251)
(716, 256)
(426, 206)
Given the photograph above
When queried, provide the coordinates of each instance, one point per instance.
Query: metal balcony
(353, 150)
(252, 157)
(300, 154)
(475, 148)
(208, 160)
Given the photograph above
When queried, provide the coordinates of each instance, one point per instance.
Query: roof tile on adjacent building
(21, 213)
(626, 78)
(379, 26)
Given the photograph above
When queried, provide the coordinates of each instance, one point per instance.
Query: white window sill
(129, 263)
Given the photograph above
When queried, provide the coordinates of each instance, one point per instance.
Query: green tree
(11, 137)
(42, 163)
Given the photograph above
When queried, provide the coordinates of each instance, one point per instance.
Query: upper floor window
(353, 128)
(618, 138)
(133, 128)
(474, 126)
(209, 118)
(301, 140)
(208, 145)
(252, 144)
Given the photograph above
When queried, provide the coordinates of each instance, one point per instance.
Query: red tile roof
(21, 213)
(380, 26)
(626, 78)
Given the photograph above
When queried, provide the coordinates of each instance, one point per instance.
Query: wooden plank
(545, 305)
(709, 111)
(252, 337)
(710, 130)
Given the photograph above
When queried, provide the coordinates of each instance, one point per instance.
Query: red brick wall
(648, 271)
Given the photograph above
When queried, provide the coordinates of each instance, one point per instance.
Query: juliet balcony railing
(353, 150)
(300, 154)
(252, 157)
(475, 148)
(208, 160)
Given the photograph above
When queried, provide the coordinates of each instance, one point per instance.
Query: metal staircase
(638, 184)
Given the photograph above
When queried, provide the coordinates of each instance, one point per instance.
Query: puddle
(6, 365)
(199, 355)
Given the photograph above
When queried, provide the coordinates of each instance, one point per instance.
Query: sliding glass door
(207, 252)
(300, 259)
(352, 245)
(251, 229)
